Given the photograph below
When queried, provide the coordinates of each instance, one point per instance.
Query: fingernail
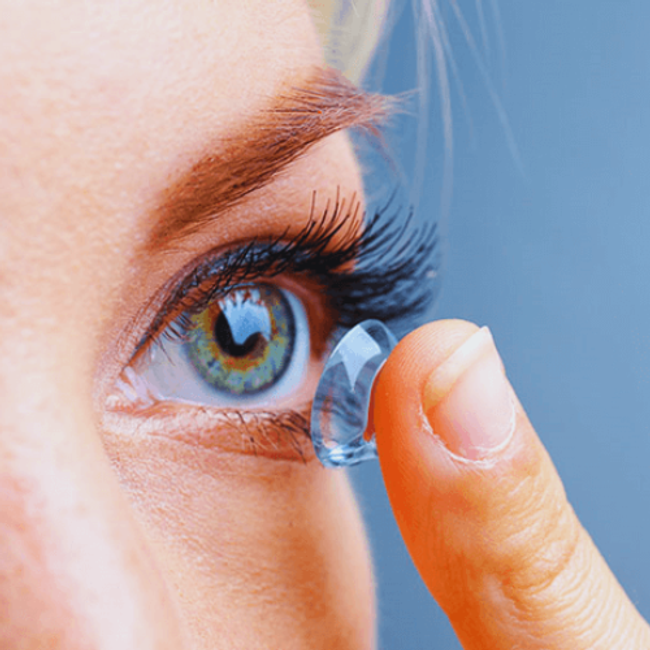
(468, 400)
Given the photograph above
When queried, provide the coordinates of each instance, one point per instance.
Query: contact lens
(339, 415)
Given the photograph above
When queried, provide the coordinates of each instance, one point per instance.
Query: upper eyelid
(394, 277)
(316, 234)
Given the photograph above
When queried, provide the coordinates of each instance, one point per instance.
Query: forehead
(104, 86)
(163, 45)
(102, 103)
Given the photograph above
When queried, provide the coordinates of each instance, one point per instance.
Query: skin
(494, 537)
(185, 543)
(118, 535)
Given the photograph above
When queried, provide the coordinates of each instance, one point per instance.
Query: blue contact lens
(339, 415)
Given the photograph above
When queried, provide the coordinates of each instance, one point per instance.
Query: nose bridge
(74, 572)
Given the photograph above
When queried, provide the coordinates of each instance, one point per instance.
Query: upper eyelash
(393, 277)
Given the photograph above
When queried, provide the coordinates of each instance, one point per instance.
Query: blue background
(553, 255)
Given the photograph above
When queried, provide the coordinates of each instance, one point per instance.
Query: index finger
(482, 509)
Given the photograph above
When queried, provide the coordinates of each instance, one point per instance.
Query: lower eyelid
(282, 435)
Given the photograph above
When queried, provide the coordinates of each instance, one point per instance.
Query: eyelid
(320, 316)
(276, 436)
(387, 270)
(339, 220)
(384, 271)
(257, 430)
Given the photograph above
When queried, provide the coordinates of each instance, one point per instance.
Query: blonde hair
(350, 31)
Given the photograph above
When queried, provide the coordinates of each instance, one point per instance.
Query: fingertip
(426, 348)
(398, 394)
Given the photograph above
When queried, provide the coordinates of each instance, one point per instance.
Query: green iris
(242, 343)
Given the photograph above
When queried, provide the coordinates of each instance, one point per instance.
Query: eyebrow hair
(250, 159)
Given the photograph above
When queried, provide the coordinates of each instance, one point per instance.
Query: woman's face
(125, 132)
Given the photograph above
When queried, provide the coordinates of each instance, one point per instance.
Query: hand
(481, 507)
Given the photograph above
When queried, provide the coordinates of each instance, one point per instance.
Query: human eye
(248, 347)
(238, 336)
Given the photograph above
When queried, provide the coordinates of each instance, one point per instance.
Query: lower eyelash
(270, 432)
(282, 435)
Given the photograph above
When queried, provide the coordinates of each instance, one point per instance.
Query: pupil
(226, 341)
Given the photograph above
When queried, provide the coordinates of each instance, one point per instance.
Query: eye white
(164, 373)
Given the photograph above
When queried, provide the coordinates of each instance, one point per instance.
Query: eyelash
(387, 270)
(392, 278)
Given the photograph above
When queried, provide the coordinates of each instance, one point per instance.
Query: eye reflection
(248, 347)
(243, 343)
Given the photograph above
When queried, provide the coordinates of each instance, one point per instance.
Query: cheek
(255, 548)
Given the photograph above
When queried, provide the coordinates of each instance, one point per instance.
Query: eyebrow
(246, 161)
